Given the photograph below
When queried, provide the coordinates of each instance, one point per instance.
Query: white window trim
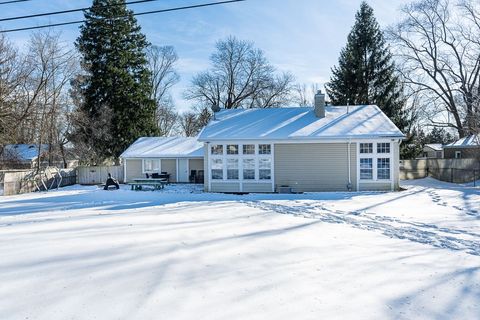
(159, 165)
(224, 156)
(374, 156)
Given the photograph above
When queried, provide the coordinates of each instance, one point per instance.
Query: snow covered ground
(85, 253)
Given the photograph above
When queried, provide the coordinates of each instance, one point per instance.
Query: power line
(13, 1)
(69, 11)
(135, 14)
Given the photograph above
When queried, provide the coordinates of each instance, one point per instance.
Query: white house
(433, 150)
(333, 148)
(180, 157)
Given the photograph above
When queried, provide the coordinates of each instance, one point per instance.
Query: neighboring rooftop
(300, 123)
(23, 152)
(164, 147)
(435, 146)
(470, 141)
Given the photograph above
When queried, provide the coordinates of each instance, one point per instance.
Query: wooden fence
(449, 170)
(98, 174)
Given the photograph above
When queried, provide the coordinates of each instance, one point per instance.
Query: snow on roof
(470, 141)
(300, 123)
(23, 152)
(435, 146)
(164, 147)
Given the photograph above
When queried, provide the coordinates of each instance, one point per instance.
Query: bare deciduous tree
(190, 123)
(240, 77)
(438, 44)
(161, 63)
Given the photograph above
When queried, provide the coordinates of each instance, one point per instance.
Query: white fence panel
(98, 174)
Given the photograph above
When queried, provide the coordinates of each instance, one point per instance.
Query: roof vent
(320, 104)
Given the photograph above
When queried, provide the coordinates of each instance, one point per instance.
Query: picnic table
(156, 183)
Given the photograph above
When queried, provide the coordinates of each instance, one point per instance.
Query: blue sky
(300, 36)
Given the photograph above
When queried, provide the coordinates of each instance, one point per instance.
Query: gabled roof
(466, 142)
(363, 121)
(23, 152)
(164, 147)
(435, 146)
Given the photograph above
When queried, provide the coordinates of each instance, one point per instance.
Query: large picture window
(242, 162)
(366, 168)
(232, 169)
(375, 161)
(151, 165)
(217, 169)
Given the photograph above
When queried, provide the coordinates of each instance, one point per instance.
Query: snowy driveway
(84, 253)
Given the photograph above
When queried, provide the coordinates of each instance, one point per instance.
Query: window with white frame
(383, 168)
(458, 154)
(264, 149)
(217, 149)
(248, 169)
(251, 162)
(232, 148)
(232, 169)
(383, 147)
(366, 168)
(366, 147)
(151, 165)
(265, 169)
(217, 169)
(248, 149)
(375, 161)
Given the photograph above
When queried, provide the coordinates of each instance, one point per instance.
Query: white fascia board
(310, 140)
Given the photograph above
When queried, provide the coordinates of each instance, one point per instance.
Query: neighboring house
(321, 149)
(433, 150)
(180, 157)
(21, 156)
(465, 148)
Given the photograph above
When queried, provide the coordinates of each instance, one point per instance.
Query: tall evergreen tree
(116, 88)
(366, 72)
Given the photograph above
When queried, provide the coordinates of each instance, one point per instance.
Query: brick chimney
(320, 104)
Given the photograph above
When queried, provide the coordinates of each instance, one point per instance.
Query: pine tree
(116, 87)
(366, 72)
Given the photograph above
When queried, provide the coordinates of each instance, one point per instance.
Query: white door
(183, 170)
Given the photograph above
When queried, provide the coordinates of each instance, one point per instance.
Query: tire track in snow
(430, 234)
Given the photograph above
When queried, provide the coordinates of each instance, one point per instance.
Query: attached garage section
(310, 167)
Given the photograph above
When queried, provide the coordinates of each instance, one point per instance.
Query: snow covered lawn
(85, 253)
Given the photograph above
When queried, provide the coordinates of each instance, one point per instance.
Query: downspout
(349, 185)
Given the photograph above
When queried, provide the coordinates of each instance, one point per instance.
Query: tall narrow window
(265, 169)
(264, 149)
(232, 169)
(366, 168)
(217, 169)
(383, 168)
(248, 169)
(217, 149)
